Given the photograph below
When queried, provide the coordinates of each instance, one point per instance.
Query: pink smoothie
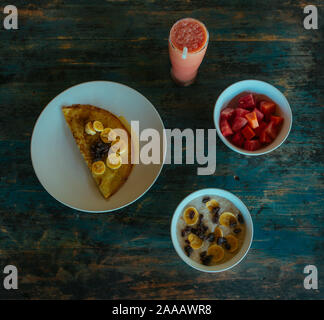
(190, 34)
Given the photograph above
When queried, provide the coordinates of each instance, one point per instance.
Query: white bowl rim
(257, 152)
(127, 204)
(175, 219)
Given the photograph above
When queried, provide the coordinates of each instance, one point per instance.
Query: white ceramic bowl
(247, 220)
(58, 163)
(261, 87)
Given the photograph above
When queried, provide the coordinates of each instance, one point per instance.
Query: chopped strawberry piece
(227, 113)
(264, 138)
(277, 120)
(225, 128)
(252, 145)
(247, 132)
(247, 101)
(268, 108)
(252, 119)
(239, 123)
(259, 114)
(240, 112)
(238, 139)
(260, 128)
(271, 130)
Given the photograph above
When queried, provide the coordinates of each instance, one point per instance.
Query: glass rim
(206, 42)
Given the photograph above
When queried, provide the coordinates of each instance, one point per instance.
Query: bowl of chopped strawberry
(252, 117)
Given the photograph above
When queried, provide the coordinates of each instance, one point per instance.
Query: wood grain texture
(64, 254)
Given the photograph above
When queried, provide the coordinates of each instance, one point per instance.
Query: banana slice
(119, 146)
(218, 232)
(195, 241)
(98, 126)
(113, 161)
(89, 129)
(191, 216)
(227, 219)
(211, 204)
(108, 135)
(217, 252)
(233, 242)
(98, 167)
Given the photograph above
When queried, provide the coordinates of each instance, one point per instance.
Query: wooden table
(64, 254)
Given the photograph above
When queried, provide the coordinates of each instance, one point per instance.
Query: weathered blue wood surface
(64, 254)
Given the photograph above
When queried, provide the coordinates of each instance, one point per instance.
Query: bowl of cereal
(212, 230)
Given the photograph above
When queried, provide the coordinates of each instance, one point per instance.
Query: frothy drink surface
(188, 33)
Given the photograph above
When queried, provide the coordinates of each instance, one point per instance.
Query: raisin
(201, 230)
(221, 240)
(205, 199)
(215, 210)
(201, 235)
(202, 227)
(215, 218)
(207, 260)
(211, 237)
(191, 214)
(203, 254)
(227, 246)
(237, 230)
(188, 250)
(99, 150)
(194, 231)
(185, 231)
(240, 218)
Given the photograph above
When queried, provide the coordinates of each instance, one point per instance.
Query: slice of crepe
(77, 116)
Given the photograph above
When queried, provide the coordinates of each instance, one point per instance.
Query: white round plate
(248, 225)
(58, 163)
